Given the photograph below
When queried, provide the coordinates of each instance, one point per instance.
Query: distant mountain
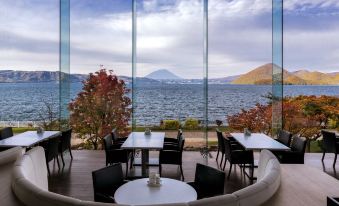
(12, 76)
(9, 76)
(223, 80)
(162, 74)
(263, 75)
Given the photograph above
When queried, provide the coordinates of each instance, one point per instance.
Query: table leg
(144, 162)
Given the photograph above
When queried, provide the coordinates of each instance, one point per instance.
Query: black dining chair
(114, 153)
(116, 137)
(51, 147)
(330, 145)
(106, 181)
(208, 181)
(174, 141)
(238, 156)
(6, 132)
(284, 137)
(173, 156)
(65, 144)
(297, 153)
(221, 146)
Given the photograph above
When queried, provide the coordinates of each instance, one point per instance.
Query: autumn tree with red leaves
(101, 105)
(304, 115)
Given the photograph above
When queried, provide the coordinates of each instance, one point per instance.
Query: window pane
(29, 53)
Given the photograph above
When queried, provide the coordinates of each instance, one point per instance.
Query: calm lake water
(25, 101)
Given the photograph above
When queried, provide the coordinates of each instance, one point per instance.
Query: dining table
(259, 141)
(139, 192)
(145, 142)
(28, 139)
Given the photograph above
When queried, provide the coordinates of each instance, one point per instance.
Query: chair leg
(222, 158)
(49, 172)
(252, 173)
(70, 152)
(62, 158)
(127, 168)
(335, 160)
(229, 172)
(322, 159)
(224, 164)
(58, 162)
(182, 173)
(217, 155)
(132, 161)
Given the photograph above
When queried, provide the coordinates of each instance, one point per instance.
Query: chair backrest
(107, 177)
(227, 148)
(209, 180)
(299, 144)
(108, 141)
(221, 142)
(284, 137)
(329, 141)
(6, 132)
(115, 135)
(52, 148)
(179, 135)
(181, 143)
(65, 140)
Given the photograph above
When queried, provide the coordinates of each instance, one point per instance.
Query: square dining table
(28, 139)
(140, 140)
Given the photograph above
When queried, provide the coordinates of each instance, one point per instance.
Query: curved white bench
(30, 184)
(7, 160)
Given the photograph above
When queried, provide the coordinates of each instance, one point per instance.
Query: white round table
(137, 192)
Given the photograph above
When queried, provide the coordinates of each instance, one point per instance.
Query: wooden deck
(75, 178)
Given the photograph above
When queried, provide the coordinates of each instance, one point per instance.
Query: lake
(26, 101)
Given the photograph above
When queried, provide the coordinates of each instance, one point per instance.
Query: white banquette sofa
(30, 184)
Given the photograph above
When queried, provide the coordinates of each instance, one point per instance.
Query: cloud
(169, 35)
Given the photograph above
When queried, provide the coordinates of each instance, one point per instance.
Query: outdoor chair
(114, 153)
(51, 147)
(174, 141)
(106, 181)
(284, 137)
(116, 138)
(330, 145)
(65, 144)
(296, 154)
(6, 132)
(208, 181)
(238, 156)
(173, 156)
(221, 146)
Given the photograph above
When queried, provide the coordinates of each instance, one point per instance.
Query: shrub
(191, 124)
(170, 124)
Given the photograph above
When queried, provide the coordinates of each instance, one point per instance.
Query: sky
(169, 35)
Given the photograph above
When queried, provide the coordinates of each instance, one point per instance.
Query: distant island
(261, 75)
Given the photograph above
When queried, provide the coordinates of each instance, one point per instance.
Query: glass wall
(311, 65)
(101, 38)
(29, 66)
(169, 67)
(240, 65)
